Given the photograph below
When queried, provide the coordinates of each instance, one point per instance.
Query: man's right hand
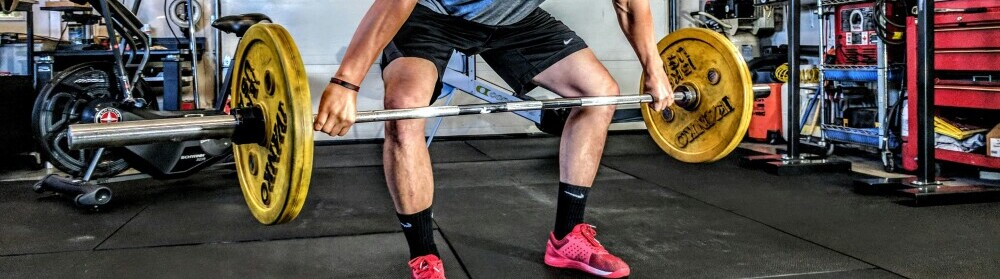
(337, 110)
(338, 106)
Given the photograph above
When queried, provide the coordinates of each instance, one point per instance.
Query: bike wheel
(67, 100)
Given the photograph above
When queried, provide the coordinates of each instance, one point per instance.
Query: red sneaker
(426, 267)
(579, 250)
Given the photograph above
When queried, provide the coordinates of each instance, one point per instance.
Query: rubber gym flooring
(495, 202)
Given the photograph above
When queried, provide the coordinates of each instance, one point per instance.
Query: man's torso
(489, 12)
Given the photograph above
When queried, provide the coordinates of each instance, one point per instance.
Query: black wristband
(345, 84)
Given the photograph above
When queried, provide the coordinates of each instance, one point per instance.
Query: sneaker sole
(559, 261)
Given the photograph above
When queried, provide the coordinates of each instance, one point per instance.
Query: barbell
(271, 128)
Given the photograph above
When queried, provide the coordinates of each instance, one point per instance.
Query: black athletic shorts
(518, 52)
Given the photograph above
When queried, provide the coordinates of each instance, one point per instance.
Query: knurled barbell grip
(440, 111)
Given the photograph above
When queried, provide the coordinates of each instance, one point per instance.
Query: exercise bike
(108, 92)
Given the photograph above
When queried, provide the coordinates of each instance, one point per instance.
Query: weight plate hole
(668, 115)
(714, 77)
(269, 83)
(252, 162)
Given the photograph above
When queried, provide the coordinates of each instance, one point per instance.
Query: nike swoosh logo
(406, 225)
(567, 41)
(579, 196)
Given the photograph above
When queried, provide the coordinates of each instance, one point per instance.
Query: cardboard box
(993, 142)
(64, 3)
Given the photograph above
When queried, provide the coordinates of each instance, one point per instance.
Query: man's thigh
(432, 37)
(578, 75)
(522, 51)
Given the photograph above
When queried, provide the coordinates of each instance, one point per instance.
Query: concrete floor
(495, 203)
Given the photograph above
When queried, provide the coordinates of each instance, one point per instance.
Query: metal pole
(29, 18)
(193, 45)
(925, 94)
(93, 164)
(135, 6)
(119, 69)
(671, 16)
(794, 17)
(217, 51)
(821, 88)
(882, 97)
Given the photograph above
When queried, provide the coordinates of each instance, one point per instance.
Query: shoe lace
(589, 233)
(426, 270)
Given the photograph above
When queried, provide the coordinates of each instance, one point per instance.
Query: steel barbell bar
(84, 136)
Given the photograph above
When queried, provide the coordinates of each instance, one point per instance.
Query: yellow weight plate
(269, 75)
(707, 62)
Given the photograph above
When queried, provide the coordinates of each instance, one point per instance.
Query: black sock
(569, 211)
(419, 231)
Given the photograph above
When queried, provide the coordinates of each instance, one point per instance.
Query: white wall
(323, 31)
(46, 24)
(809, 25)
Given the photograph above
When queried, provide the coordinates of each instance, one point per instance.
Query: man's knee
(409, 83)
(607, 87)
(402, 131)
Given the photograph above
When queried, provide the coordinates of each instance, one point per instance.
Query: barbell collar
(686, 96)
(250, 126)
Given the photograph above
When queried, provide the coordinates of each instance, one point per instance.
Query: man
(528, 48)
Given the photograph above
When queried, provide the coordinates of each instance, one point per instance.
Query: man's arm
(636, 21)
(338, 106)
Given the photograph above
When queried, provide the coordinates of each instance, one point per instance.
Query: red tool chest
(966, 41)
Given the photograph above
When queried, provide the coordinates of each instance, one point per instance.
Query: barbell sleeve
(84, 136)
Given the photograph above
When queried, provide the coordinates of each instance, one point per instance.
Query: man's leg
(409, 82)
(579, 75)
(572, 243)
